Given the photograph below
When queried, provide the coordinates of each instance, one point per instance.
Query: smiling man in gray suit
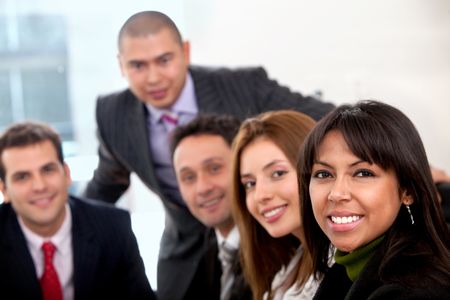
(134, 126)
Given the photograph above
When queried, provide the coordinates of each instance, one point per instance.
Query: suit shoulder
(115, 98)
(228, 73)
(98, 209)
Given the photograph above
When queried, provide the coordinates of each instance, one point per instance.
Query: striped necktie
(170, 120)
(226, 256)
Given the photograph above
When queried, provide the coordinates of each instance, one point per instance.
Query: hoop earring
(410, 214)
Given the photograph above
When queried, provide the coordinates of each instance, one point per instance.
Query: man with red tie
(54, 246)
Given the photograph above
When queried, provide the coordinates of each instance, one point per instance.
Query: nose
(153, 75)
(340, 190)
(204, 186)
(262, 192)
(38, 183)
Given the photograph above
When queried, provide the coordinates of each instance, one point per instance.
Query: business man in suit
(53, 246)
(201, 153)
(134, 124)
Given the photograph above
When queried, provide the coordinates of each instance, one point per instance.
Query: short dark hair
(25, 134)
(148, 22)
(381, 134)
(222, 125)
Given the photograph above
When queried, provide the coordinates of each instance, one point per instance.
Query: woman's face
(354, 202)
(270, 182)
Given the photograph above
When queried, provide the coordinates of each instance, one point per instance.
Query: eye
(248, 184)
(165, 59)
(137, 65)
(364, 173)
(322, 174)
(215, 168)
(188, 178)
(20, 177)
(49, 168)
(278, 173)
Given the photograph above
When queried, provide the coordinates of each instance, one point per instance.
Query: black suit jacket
(107, 263)
(336, 284)
(124, 148)
(206, 281)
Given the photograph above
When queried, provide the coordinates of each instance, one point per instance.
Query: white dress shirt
(63, 259)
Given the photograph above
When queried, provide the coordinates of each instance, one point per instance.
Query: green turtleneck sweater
(355, 261)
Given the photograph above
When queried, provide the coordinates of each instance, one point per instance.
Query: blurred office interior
(56, 57)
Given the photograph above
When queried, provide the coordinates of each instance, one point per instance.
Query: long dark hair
(381, 134)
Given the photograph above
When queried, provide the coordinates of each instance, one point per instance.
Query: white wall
(397, 51)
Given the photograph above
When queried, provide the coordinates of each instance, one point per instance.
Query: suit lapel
(85, 251)
(20, 270)
(137, 140)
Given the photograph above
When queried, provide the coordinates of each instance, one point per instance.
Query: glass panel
(5, 100)
(42, 32)
(3, 34)
(46, 98)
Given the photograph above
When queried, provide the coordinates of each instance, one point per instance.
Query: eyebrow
(205, 162)
(267, 166)
(22, 172)
(329, 166)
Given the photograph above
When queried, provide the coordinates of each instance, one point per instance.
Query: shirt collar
(185, 103)
(35, 241)
(232, 240)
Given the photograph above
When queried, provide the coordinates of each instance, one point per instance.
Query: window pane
(3, 34)
(41, 32)
(5, 100)
(46, 98)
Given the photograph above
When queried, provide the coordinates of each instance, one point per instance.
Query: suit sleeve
(111, 179)
(273, 96)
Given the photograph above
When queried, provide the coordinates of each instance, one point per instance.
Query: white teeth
(210, 202)
(344, 220)
(273, 212)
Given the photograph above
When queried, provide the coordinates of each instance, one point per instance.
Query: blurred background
(56, 57)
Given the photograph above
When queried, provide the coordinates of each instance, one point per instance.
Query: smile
(273, 212)
(211, 202)
(344, 220)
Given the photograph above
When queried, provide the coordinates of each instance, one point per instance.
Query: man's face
(202, 165)
(36, 184)
(155, 67)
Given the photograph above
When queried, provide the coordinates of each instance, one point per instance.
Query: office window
(33, 71)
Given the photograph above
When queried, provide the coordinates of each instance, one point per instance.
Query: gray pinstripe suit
(123, 136)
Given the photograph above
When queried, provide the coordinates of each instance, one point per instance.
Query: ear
(121, 66)
(406, 198)
(3, 190)
(67, 172)
(187, 52)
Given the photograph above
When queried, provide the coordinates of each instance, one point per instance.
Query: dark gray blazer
(336, 285)
(123, 137)
(107, 263)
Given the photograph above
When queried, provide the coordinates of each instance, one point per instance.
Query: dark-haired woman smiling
(366, 190)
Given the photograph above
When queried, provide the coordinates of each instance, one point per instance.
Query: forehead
(197, 149)
(162, 40)
(259, 153)
(25, 158)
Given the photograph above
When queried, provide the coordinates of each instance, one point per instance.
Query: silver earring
(410, 214)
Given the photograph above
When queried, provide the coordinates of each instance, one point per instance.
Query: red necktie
(51, 287)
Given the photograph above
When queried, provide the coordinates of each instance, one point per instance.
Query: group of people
(268, 194)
